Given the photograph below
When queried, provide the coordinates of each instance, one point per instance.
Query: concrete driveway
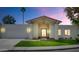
(6, 44)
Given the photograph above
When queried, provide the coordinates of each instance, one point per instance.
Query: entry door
(44, 32)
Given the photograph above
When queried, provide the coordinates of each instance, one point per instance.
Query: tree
(73, 14)
(8, 20)
(23, 10)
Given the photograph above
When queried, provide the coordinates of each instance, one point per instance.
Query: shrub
(47, 37)
(51, 38)
(60, 38)
(39, 37)
(34, 38)
(77, 39)
(70, 38)
(78, 35)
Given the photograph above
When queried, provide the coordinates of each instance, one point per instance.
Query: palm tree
(23, 10)
(8, 20)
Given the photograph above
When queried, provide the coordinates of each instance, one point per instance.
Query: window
(44, 32)
(67, 32)
(59, 31)
(28, 30)
(2, 30)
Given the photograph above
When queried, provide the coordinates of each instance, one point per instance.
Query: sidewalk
(46, 48)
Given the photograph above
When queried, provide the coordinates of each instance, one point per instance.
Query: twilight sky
(33, 12)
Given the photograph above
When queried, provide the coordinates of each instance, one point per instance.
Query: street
(69, 50)
(61, 50)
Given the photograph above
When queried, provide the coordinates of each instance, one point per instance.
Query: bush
(34, 38)
(77, 39)
(39, 37)
(78, 35)
(60, 38)
(70, 38)
(51, 38)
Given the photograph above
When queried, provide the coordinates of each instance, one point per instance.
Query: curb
(46, 48)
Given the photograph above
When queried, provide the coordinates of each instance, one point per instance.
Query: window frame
(67, 32)
(59, 32)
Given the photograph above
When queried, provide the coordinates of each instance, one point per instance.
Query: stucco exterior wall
(77, 30)
(16, 31)
(19, 31)
(54, 33)
(35, 31)
(73, 31)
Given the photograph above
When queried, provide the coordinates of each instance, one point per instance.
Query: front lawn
(45, 43)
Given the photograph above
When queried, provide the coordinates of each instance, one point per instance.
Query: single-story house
(40, 27)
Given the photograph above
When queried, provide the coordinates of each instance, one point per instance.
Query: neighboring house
(41, 27)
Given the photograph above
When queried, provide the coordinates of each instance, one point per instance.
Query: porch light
(29, 30)
(2, 30)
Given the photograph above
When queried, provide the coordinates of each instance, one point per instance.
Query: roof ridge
(43, 16)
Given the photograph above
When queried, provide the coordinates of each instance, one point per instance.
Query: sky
(34, 12)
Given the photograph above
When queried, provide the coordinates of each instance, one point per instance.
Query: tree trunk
(23, 17)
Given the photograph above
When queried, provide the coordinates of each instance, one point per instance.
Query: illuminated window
(44, 32)
(59, 32)
(67, 32)
(28, 30)
(2, 30)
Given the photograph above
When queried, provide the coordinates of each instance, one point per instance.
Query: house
(40, 27)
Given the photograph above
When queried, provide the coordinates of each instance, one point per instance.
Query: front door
(44, 32)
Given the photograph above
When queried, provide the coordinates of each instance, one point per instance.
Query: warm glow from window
(43, 32)
(28, 30)
(67, 32)
(59, 32)
(2, 30)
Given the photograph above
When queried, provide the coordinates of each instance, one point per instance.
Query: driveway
(6, 44)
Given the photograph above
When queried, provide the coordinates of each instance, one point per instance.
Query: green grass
(45, 43)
